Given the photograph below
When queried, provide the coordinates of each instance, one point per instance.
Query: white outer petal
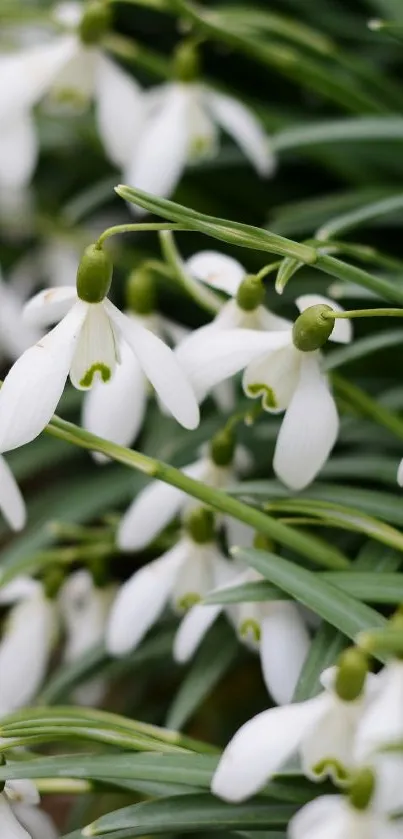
(11, 501)
(115, 410)
(284, 645)
(141, 600)
(162, 150)
(382, 721)
(326, 817)
(35, 383)
(193, 627)
(216, 270)
(50, 305)
(19, 588)
(400, 474)
(152, 509)
(36, 821)
(210, 357)
(10, 826)
(18, 150)
(22, 790)
(309, 429)
(260, 748)
(342, 330)
(245, 128)
(120, 110)
(26, 76)
(161, 368)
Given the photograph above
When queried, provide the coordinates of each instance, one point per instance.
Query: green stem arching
(365, 313)
(136, 228)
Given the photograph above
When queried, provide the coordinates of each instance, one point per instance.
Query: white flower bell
(84, 609)
(274, 629)
(26, 644)
(86, 344)
(321, 729)
(334, 817)
(66, 67)
(12, 504)
(25, 816)
(183, 575)
(285, 377)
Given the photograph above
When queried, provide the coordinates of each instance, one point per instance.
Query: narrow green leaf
(363, 347)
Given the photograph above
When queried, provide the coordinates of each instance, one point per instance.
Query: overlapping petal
(216, 270)
(120, 111)
(49, 305)
(284, 645)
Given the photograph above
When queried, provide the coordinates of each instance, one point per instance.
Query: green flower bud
(95, 22)
(140, 292)
(94, 275)
(362, 789)
(313, 328)
(186, 62)
(222, 447)
(250, 293)
(200, 525)
(351, 675)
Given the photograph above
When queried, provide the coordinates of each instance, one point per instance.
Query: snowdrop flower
(286, 374)
(20, 800)
(85, 343)
(26, 644)
(84, 609)
(156, 505)
(182, 126)
(321, 729)
(336, 817)
(67, 66)
(182, 576)
(274, 629)
(116, 410)
(12, 504)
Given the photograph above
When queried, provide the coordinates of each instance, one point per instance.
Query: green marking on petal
(250, 628)
(104, 371)
(330, 767)
(269, 400)
(188, 600)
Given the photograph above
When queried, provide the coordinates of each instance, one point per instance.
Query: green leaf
(215, 657)
(323, 652)
(355, 218)
(191, 813)
(333, 605)
(363, 347)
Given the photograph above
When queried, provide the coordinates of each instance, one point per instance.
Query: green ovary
(98, 367)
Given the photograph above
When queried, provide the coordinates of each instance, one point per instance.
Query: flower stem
(205, 297)
(365, 313)
(305, 545)
(136, 228)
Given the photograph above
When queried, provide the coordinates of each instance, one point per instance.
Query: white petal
(26, 76)
(36, 821)
(75, 82)
(284, 645)
(141, 600)
(18, 589)
(342, 330)
(23, 791)
(120, 111)
(161, 153)
(161, 368)
(18, 150)
(193, 627)
(10, 827)
(49, 305)
(152, 509)
(329, 744)
(217, 270)
(15, 335)
(247, 131)
(197, 574)
(96, 352)
(84, 610)
(382, 722)
(115, 410)
(326, 817)
(400, 474)
(35, 383)
(211, 357)
(11, 501)
(309, 429)
(260, 748)
(274, 378)
(24, 652)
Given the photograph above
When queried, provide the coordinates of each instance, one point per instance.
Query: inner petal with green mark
(96, 352)
(274, 378)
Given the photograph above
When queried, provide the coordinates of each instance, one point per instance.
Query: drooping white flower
(64, 67)
(181, 576)
(156, 505)
(86, 344)
(84, 609)
(274, 629)
(322, 730)
(12, 504)
(334, 817)
(26, 643)
(182, 126)
(284, 377)
(23, 799)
